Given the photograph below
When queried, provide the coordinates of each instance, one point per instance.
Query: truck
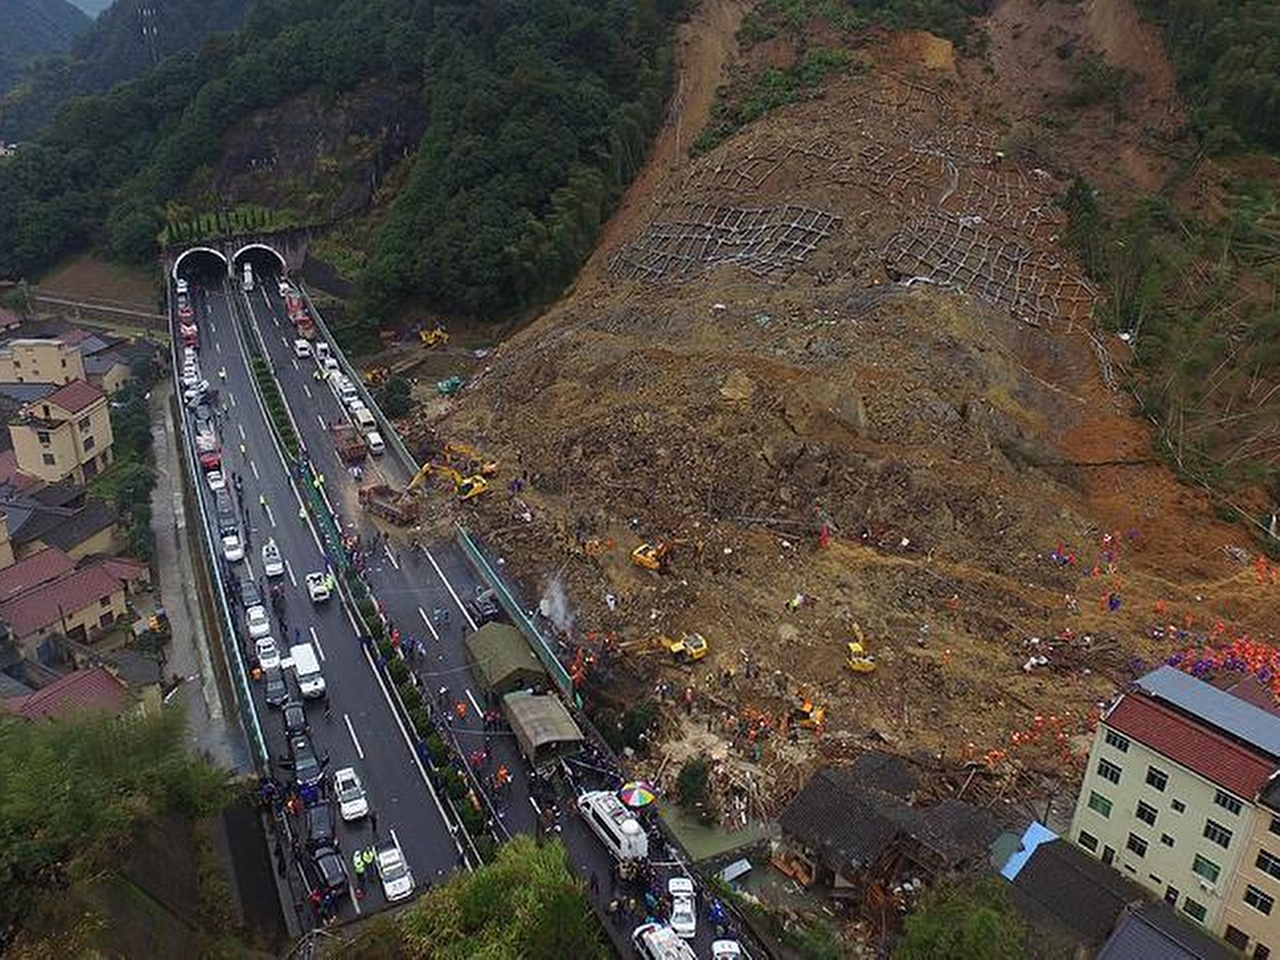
(190, 334)
(393, 505)
(298, 313)
(349, 443)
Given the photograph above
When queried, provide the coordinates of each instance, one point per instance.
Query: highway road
(363, 731)
(412, 584)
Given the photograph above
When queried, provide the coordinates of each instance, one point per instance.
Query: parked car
(322, 826)
(328, 872)
(294, 717)
(250, 595)
(192, 394)
(216, 480)
(484, 607)
(232, 549)
(308, 768)
(352, 802)
(272, 562)
(301, 348)
(656, 941)
(684, 907)
(318, 587)
(393, 869)
(267, 652)
(257, 621)
(276, 690)
(726, 950)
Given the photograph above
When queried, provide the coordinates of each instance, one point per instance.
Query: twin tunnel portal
(277, 254)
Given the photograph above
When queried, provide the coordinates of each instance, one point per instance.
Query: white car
(190, 375)
(232, 549)
(189, 355)
(216, 480)
(258, 622)
(318, 587)
(272, 562)
(684, 909)
(726, 950)
(331, 364)
(352, 803)
(355, 404)
(268, 653)
(397, 881)
(301, 348)
(192, 395)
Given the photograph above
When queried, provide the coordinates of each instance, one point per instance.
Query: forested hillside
(124, 42)
(31, 29)
(538, 113)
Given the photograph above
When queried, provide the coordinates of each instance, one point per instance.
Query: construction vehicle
(856, 656)
(690, 648)
(808, 715)
(476, 462)
(447, 388)
(464, 487)
(650, 555)
(348, 442)
(430, 338)
(385, 501)
(376, 377)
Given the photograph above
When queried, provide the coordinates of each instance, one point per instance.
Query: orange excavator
(650, 555)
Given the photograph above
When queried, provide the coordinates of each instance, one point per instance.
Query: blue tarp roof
(1035, 834)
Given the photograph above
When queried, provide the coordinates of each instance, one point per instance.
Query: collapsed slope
(853, 314)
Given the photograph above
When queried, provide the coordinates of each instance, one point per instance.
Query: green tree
(395, 397)
(969, 921)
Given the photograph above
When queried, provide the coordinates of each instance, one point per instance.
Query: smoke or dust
(555, 606)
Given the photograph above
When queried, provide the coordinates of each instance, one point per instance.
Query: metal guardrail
(244, 694)
(517, 613)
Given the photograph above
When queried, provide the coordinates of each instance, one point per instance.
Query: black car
(294, 717)
(276, 689)
(250, 595)
(308, 768)
(485, 608)
(203, 416)
(328, 871)
(322, 825)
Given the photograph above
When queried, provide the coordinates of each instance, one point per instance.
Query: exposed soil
(985, 489)
(89, 277)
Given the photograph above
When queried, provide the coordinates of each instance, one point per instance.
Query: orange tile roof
(74, 396)
(39, 607)
(34, 570)
(95, 690)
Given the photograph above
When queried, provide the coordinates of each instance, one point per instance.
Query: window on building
(84, 423)
(46, 410)
(1166, 840)
(48, 459)
(1153, 878)
(1116, 740)
(1136, 845)
(1131, 868)
(1206, 868)
(1261, 952)
(1195, 911)
(1099, 804)
(1108, 856)
(1157, 778)
(106, 619)
(43, 436)
(1237, 938)
(1089, 841)
(1258, 900)
(1108, 771)
(1146, 813)
(64, 362)
(1268, 863)
(89, 443)
(1227, 802)
(104, 602)
(1275, 826)
(1171, 895)
(1178, 806)
(1217, 833)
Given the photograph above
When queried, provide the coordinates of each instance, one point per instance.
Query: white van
(310, 679)
(364, 419)
(301, 348)
(322, 351)
(614, 825)
(246, 282)
(374, 439)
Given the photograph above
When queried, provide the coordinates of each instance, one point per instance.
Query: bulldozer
(650, 555)
(856, 657)
(430, 338)
(473, 458)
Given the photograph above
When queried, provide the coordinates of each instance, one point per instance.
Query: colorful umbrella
(637, 793)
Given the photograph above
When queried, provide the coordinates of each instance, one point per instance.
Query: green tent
(502, 659)
(543, 727)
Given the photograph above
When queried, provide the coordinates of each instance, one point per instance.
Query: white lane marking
(289, 570)
(232, 398)
(354, 739)
(452, 592)
(390, 556)
(307, 391)
(321, 419)
(295, 360)
(473, 703)
(315, 638)
(241, 428)
(254, 467)
(217, 346)
(249, 565)
(536, 809)
(427, 621)
(271, 516)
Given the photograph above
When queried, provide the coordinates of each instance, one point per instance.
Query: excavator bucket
(857, 659)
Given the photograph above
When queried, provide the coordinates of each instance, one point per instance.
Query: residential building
(108, 371)
(1251, 913)
(40, 360)
(95, 690)
(1171, 789)
(67, 434)
(47, 594)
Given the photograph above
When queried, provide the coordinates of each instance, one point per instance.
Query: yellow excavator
(690, 648)
(808, 715)
(650, 555)
(430, 338)
(464, 487)
(484, 467)
(856, 657)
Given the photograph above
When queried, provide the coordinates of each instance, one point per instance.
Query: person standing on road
(262, 501)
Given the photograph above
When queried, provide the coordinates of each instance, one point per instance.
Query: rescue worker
(262, 501)
(358, 861)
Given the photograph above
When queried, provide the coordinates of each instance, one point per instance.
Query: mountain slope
(34, 28)
(128, 39)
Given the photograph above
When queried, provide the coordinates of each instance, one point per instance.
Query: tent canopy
(503, 660)
(542, 725)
